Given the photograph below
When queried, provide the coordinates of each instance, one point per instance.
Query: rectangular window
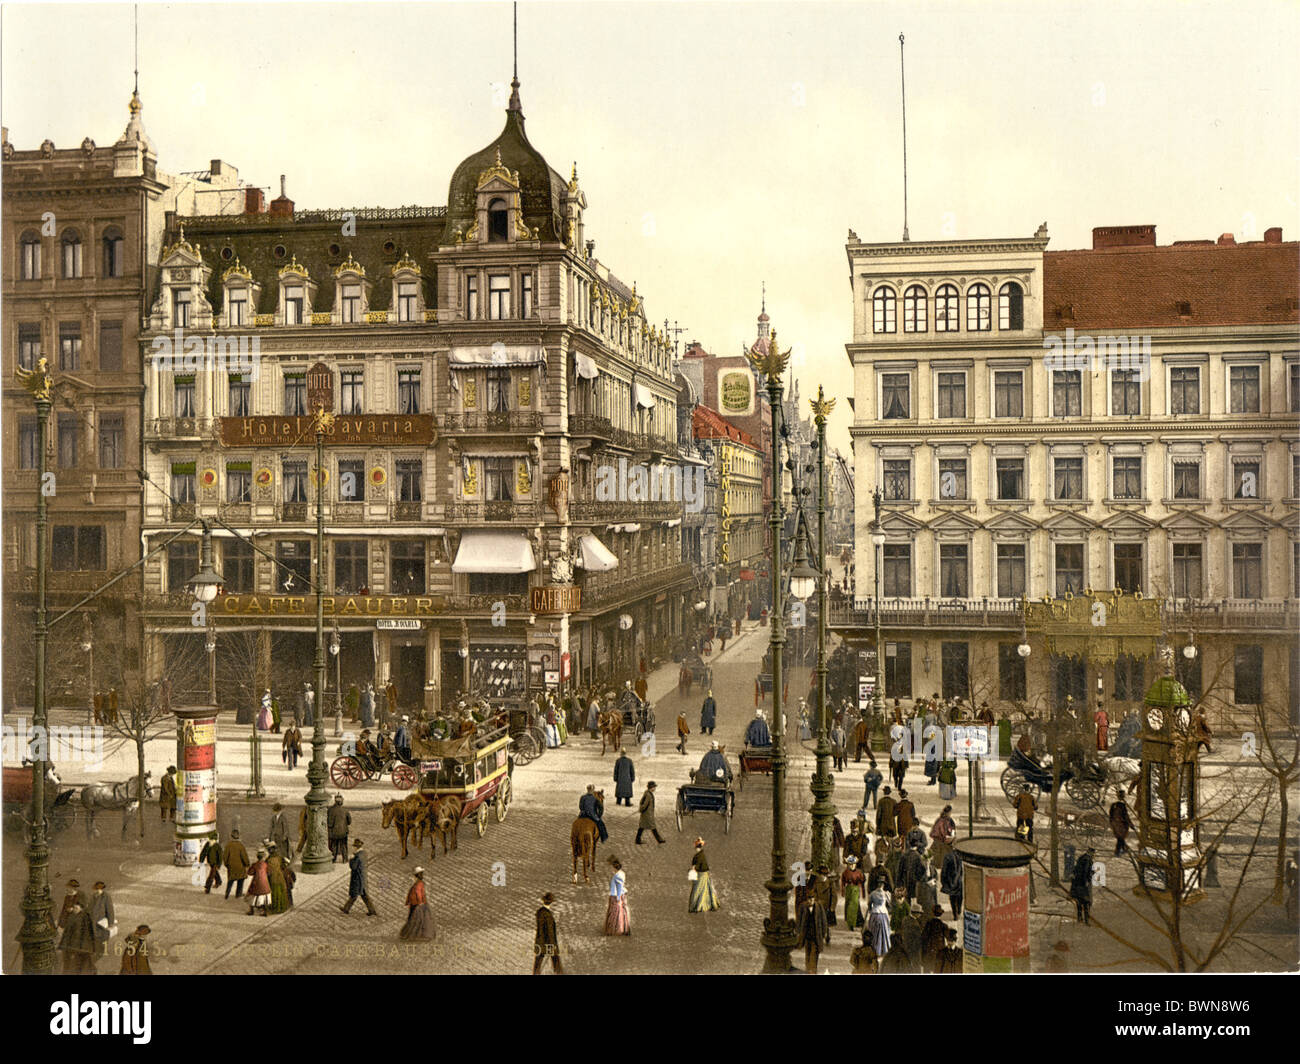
(1011, 570)
(1067, 478)
(68, 430)
(954, 570)
(898, 670)
(351, 566)
(69, 345)
(408, 391)
(1295, 476)
(1185, 390)
(410, 478)
(182, 564)
(238, 396)
(295, 480)
(1067, 393)
(239, 482)
(181, 307)
(351, 391)
(1126, 478)
(894, 398)
(28, 443)
(1187, 570)
(1243, 389)
(1128, 566)
(352, 480)
(1008, 395)
(114, 257)
(1248, 675)
(183, 488)
(31, 264)
(1130, 678)
(952, 395)
(29, 346)
(238, 306)
(898, 479)
(350, 303)
(896, 570)
(77, 548)
(1187, 480)
(1125, 392)
(295, 395)
(71, 259)
(1011, 673)
(110, 346)
(1247, 570)
(498, 297)
(1295, 570)
(498, 583)
(1245, 478)
(471, 297)
(407, 301)
(293, 561)
(112, 441)
(498, 390)
(498, 479)
(955, 665)
(407, 565)
(237, 565)
(914, 304)
(952, 478)
(1069, 568)
(1010, 474)
(293, 305)
(1293, 376)
(183, 404)
(526, 296)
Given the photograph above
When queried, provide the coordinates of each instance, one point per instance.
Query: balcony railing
(467, 512)
(172, 428)
(596, 510)
(408, 511)
(527, 421)
(590, 425)
(293, 511)
(636, 585)
(487, 603)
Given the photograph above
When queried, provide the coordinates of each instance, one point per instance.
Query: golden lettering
(327, 603)
(423, 606)
(397, 605)
(297, 604)
(230, 603)
(373, 605)
(254, 605)
(350, 607)
(276, 602)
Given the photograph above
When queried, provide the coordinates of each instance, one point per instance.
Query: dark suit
(546, 943)
(357, 883)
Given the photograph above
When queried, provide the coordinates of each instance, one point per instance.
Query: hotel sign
(559, 599)
(371, 430)
(332, 605)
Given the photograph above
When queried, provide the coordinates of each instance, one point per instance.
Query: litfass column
(196, 791)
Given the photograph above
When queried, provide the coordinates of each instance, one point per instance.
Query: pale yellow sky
(719, 144)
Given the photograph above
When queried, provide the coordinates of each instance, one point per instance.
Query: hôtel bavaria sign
(372, 430)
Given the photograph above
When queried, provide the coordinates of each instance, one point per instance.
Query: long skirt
(947, 791)
(418, 926)
(563, 728)
(616, 919)
(704, 899)
(852, 907)
(264, 719)
(259, 901)
(878, 932)
(279, 895)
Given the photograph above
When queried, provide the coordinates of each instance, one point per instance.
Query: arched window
(979, 308)
(884, 308)
(114, 247)
(1011, 306)
(498, 221)
(71, 254)
(914, 304)
(945, 309)
(30, 266)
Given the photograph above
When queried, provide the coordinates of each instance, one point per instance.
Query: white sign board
(968, 741)
(400, 624)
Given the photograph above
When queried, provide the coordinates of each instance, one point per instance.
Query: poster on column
(1006, 913)
(198, 797)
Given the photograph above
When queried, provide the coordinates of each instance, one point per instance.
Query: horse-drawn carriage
(701, 672)
(638, 717)
(702, 797)
(1086, 787)
(352, 766)
(59, 810)
(755, 760)
(528, 732)
(473, 768)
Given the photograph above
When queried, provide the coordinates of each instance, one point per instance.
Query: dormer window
(406, 300)
(180, 308)
(350, 295)
(293, 304)
(237, 314)
(296, 293)
(498, 221)
(350, 303)
(406, 289)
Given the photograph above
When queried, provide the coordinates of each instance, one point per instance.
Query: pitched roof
(1152, 287)
(707, 423)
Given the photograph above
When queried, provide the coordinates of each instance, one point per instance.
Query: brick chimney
(282, 204)
(1273, 236)
(254, 201)
(1123, 236)
(1227, 239)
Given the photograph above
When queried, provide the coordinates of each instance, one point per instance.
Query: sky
(720, 145)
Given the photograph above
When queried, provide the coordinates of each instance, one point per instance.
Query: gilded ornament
(38, 380)
(237, 270)
(295, 266)
(405, 264)
(523, 481)
(821, 406)
(498, 170)
(470, 486)
(348, 265)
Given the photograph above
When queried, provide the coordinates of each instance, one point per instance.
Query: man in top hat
(1120, 823)
(357, 880)
(104, 917)
(887, 816)
(546, 943)
(135, 953)
(71, 898)
(237, 864)
(167, 795)
(624, 777)
(78, 942)
(905, 812)
(339, 822)
(647, 810)
(402, 739)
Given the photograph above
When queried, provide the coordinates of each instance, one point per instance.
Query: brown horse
(611, 730)
(406, 814)
(583, 837)
(441, 819)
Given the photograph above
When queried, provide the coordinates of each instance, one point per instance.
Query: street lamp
(877, 544)
(823, 782)
(779, 935)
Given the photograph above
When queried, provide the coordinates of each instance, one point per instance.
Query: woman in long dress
(616, 918)
(264, 714)
(259, 889)
(704, 899)
(941, 836)
(853, 881)
(877, 933)
(419, 920)
(279, 881)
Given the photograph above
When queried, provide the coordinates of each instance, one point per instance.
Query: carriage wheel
(346, 772)
(525, 748)
(638, 731)
(539, 739)
(681, 808)
(404, 777)
(1086, 793)
(480, 820)
(1011, 781)
(502, 804)
(726, 818)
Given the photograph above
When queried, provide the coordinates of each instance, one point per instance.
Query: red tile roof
(708, 424)
(1143, 287)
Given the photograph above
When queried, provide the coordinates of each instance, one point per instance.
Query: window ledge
(1246, 504)
(1009, 504)
(1191, 504)
(952, 504)
(1126, 502)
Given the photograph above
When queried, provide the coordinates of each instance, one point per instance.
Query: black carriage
(527, 731)
(701, 672)
(695, 798)
(638, 717)
(1086, 788)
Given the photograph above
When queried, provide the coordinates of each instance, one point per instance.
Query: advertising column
(995, 920)
(196, 790)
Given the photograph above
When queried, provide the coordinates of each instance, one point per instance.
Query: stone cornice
(931, 432)
(916, 248)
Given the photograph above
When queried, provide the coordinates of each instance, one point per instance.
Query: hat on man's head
(547, 898)
(73, 883)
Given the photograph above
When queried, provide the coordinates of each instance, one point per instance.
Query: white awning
(496, 355)
(595, 557)
(673, 523)
(644, 396)
(484, 551)
(622, 528)
(585, 367)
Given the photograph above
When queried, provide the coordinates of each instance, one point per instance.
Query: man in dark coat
(911, 870)
(1081, 886)
(708, 715)
(78, 943)
(135, 953)
(1120, 823)
(933, 935)
(103, 916)
(211, 856)
(862, 740)
(546, 943)
(871, 781)
(339, 822)
(357, 880)
(237, 864)
(906, 814)
(1026, 806)
(71, 898)
(647, 810)
(592, 808)
(624, 777)
(887, 816)
(814, 932)
(167, 794)
(951, 881)
(856, 844)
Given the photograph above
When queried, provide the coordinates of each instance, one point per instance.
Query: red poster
(199, 757)
(1006, 914)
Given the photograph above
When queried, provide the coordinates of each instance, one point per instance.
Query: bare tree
(1277, 748)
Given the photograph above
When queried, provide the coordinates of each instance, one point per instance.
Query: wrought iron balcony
(504, 421)
(506, 511)
(177, 428)
(590, 425)
(927, 613)
(293, 511)
(408, 511)
(596, 510)
(486, 603)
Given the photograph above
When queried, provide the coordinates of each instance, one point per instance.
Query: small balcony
(408, 511)
(504, 511)
(484, 423)
(295, 512)
(590, 425)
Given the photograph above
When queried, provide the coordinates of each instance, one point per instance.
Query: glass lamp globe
(802, 586)
(1189, 651)
(1024, 650)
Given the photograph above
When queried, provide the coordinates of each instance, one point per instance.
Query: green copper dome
(1167, 692)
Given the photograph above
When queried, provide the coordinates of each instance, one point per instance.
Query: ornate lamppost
(877, 544)
(779, 935)
(823, 782)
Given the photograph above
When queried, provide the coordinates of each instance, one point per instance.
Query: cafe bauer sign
(331, 605)
(372, 430)
(560, 598)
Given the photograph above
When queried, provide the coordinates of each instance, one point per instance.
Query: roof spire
(515, 105)
(135, 106)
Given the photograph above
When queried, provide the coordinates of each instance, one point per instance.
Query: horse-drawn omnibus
(474, 768)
